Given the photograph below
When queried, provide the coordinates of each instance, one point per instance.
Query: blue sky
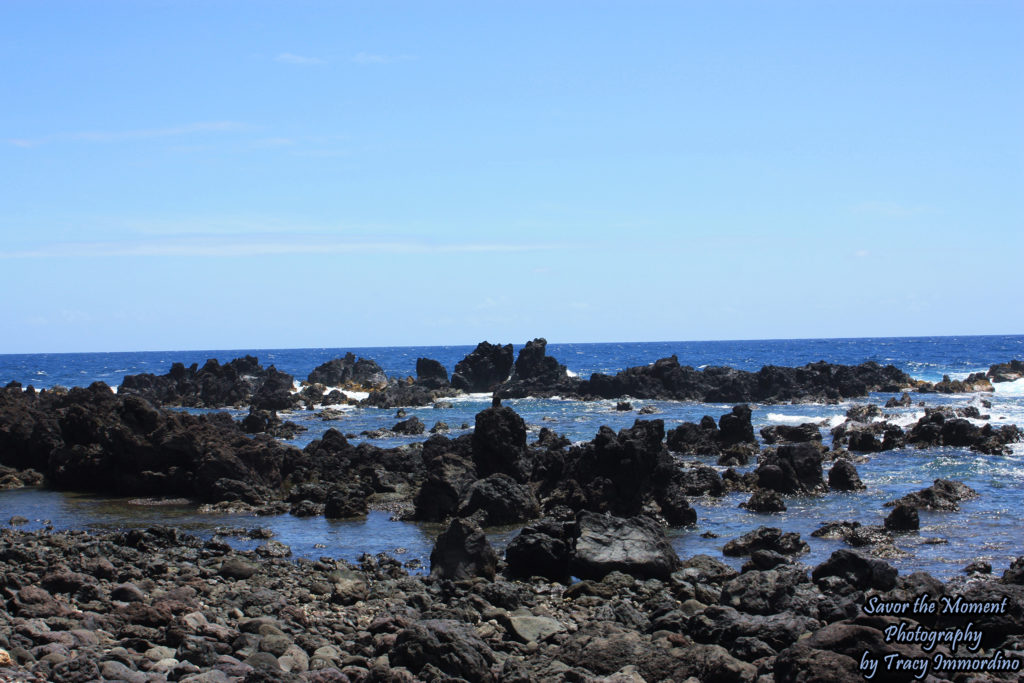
(185, 175)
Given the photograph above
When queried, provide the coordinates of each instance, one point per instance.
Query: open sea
(987, 528)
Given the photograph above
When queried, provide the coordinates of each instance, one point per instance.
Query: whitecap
(1014, 388)
(782, 418)
(468, 398)
(571, 373)
(357, 395)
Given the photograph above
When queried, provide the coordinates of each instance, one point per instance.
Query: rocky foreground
(160, 605)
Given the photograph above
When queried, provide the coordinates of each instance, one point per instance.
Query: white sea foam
(1014, 388)
(357, 395)
(836, 420)
(468, 398)
(782, 418)
(904, 420)
(571, 373)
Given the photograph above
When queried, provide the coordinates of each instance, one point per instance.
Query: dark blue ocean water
(987, 528)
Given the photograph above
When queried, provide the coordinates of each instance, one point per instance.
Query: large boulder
(361, 375)
(499, 443)
(542, 549)
(735, 427)
(537, 374)
(451, 646)
(793, 468)
(943, 494)
(791, 434)
(431, 374)
(499, 499)
(487, 366)
(461, 552)
(843, 477)
(635, 546)
(707, 438)
(858, 570)
(766, 538)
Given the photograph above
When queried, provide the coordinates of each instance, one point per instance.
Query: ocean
(987, 528)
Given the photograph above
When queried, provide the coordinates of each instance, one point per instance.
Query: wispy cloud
(257, 245)
(108, 136)
(370, 58)
(289, 58)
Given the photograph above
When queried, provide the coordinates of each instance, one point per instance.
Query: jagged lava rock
(636, 546)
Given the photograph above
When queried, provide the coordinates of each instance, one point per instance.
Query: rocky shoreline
(589, 589)
(157, 604)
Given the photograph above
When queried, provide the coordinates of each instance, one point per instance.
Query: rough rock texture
(943, 494)
(790, 434)
(461, 552)
(843, 477)
(487, 366)
(498, 499)
(358, 375)
(793, 468)
(243, 381)
(666, 379)
(938, 428)
(156, 604)
(636, 546)
(536, 374)
(707, 438)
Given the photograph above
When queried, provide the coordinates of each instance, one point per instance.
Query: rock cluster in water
(495, 368)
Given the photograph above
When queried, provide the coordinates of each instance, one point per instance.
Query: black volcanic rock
(1006, 372)
(764, 500)
(499, 443)
(242, 381)
(635, 546)
(487, 366)
(843, 477)
(791, 434)
(943, 494)
(939, 427)
(793, 468)
(666, 379)
(537, 374)
(617, 473)
(707, 438)
(541, 549)
(903, 518)
(498, 499)
(431, 374)
(461, 552)
(858, 570)
(348, 372)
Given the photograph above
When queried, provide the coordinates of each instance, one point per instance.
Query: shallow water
(987, 528)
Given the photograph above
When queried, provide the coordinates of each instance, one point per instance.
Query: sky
(222, 175)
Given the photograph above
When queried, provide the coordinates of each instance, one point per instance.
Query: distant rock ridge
(243, 381)
(497, 369)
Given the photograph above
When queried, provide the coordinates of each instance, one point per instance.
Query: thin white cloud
(289, 58)
(370, 58)
(107, 136)
(278, 245)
